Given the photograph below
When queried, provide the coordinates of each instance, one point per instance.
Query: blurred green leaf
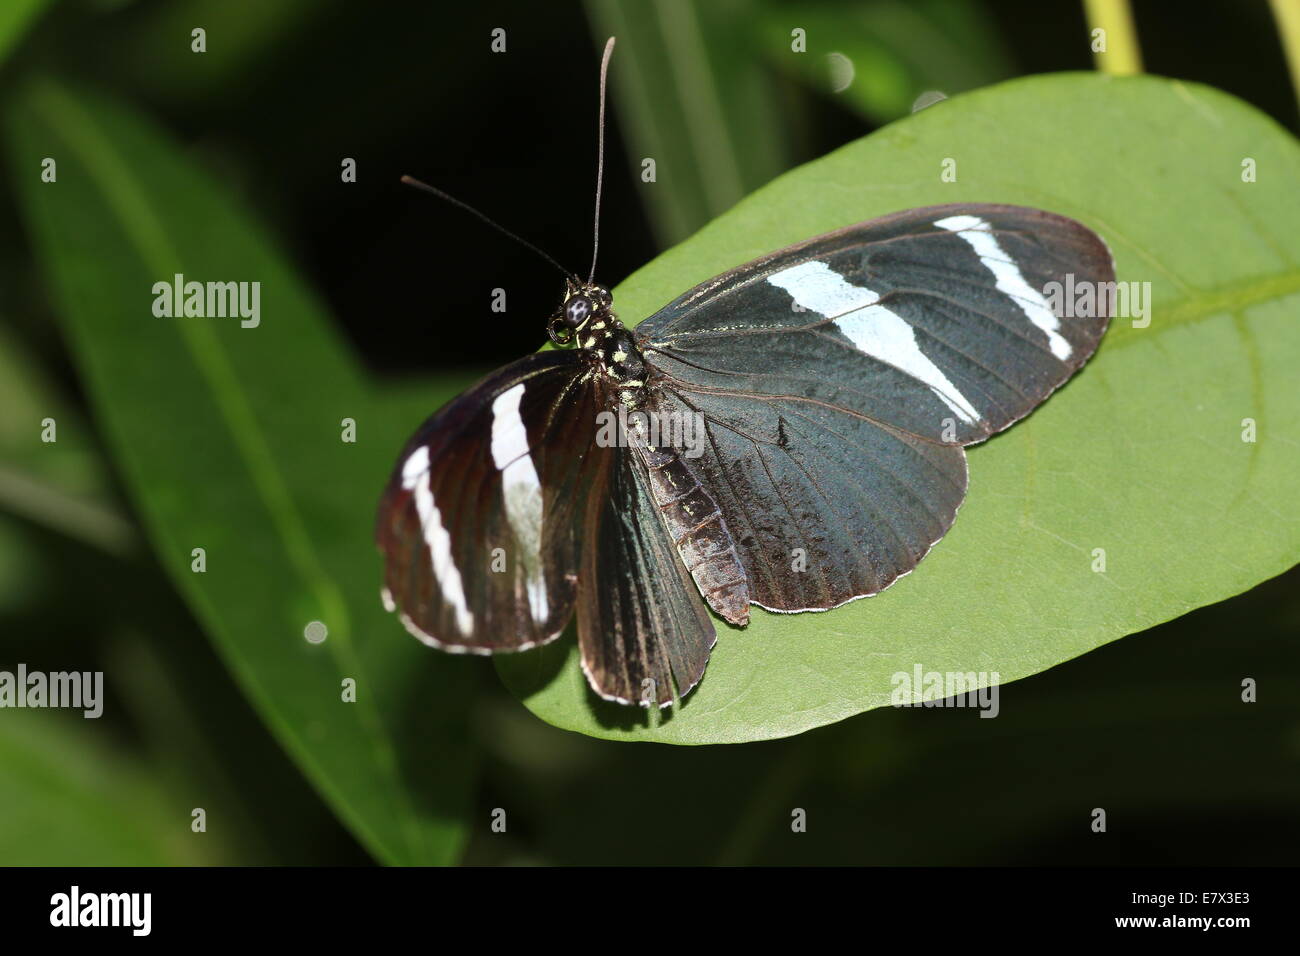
(228, 439)
(15, 17)
(180, 748)
(693, 94)
(1141, 455)
(879, 57)
(61, 484)
(72, 800)
(157, 54)
(23, 570)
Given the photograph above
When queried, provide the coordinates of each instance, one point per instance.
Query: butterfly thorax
(585, 319)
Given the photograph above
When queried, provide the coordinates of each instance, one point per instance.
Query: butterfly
(790, 434)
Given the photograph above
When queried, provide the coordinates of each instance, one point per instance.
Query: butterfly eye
(576, 311)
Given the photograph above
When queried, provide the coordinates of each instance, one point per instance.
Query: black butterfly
(834, 385)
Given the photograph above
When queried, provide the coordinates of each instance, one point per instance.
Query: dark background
(1150, 728)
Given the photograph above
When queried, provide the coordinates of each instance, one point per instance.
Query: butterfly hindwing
(823, 506)
(480, 524)
(643, 630)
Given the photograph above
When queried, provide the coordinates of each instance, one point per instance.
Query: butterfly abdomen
(698, 530)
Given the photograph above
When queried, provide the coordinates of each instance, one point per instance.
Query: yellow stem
(1120, 55)
(1287, 15)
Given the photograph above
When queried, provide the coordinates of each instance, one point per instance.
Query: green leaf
(61, 484)
(229, 439)
(16, 16)
(691, 91)
(1141, 455)
(72, 801)
(156, 54)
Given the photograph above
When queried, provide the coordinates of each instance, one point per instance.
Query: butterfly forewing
(480, 524)
(934, 321)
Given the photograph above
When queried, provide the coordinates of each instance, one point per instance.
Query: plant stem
(1287, 15)
(81, 520)
(1121, 56)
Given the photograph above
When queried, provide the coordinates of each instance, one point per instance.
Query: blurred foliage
(213, 695)
(881, 57)
(225, 440)
(71, 800)
(15, 17)
(697, 102)
(63, 485)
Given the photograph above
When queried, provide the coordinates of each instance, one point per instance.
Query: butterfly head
(582, 316)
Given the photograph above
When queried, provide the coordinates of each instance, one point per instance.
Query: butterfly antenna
(425, 187)
(600, 157)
